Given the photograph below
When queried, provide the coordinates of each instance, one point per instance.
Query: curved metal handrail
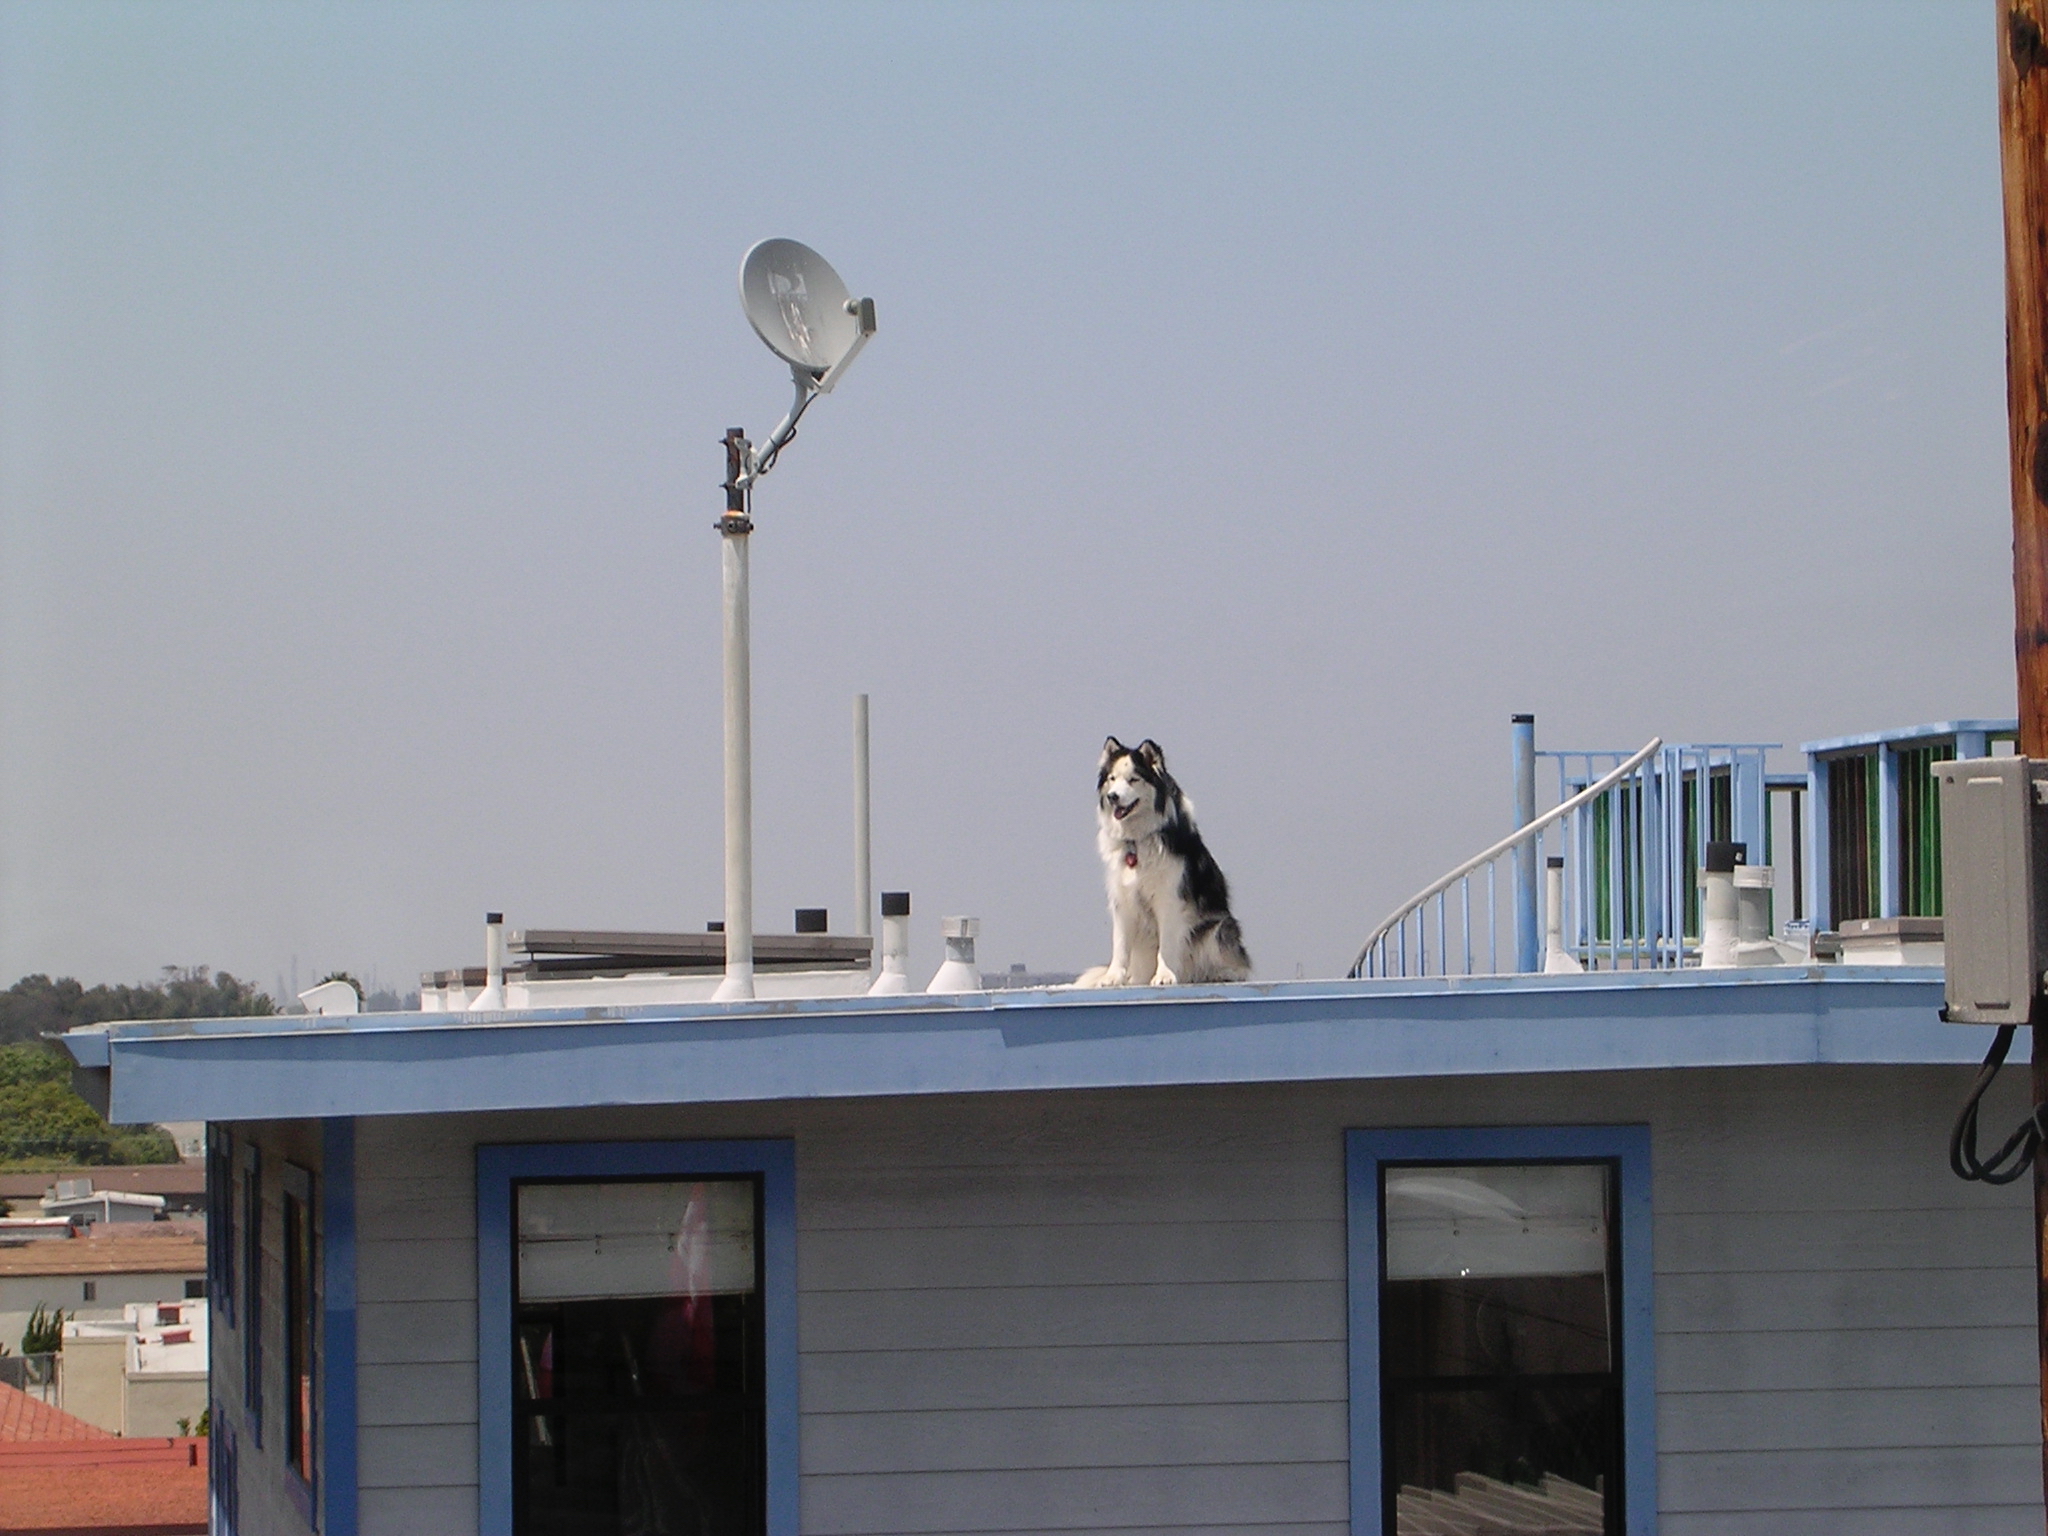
(1520, 835)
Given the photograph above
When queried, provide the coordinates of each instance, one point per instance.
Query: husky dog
(1169, 905)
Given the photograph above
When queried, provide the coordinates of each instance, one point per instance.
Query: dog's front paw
(1164, 977)
(1103, 976)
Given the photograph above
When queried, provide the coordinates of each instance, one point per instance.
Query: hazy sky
(1305, 387)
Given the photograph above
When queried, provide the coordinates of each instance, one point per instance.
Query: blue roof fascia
(1907, 733)
(426, 1063)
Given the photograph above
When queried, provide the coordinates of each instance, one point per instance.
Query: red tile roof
(26, 1418)
(103, 1487)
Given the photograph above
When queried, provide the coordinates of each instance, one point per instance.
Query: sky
(1307, 388)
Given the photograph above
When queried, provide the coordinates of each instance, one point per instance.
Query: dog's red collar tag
(1131, 855)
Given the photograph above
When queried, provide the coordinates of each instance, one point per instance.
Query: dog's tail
(1228, 959)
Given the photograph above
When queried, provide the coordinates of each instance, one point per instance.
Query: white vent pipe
(1557, 960)
(1753, 944)
(1719, 915)
(894, 976)
(959, 972)
(493, 994)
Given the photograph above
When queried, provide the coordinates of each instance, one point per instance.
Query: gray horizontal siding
(1078, 1376)
(435, 1511)
(1076, 1498)
(418, 1456)
(1129, 1253)
(1926, 1238)
(1101, 1311)
(1920, 1520)
(1842, 1420)
(1774, 1301)
(1922, 1477)
(1020, 1317)
(1037, 1439)
(1831, 1358)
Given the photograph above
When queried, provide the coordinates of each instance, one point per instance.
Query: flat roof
(289, 1067)
(135, 1178)
(178, 1252)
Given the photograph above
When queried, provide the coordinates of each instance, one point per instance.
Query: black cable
(2017, 1155)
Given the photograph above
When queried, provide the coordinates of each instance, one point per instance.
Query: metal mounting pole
(734, 529)
(2023, 157)
(1528, 938)
(863, 859)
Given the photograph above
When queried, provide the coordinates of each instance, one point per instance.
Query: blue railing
(1630, 833)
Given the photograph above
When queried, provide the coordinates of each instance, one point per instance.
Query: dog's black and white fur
(1169, 905)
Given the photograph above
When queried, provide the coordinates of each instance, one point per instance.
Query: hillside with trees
(43, 1123)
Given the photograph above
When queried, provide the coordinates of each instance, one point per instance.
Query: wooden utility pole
(2023, 156)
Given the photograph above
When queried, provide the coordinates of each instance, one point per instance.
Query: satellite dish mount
(799, 307)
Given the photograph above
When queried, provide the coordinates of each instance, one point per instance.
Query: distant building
(141, 1374)
(182, 1186)
(77, 1200)
(93, 1278)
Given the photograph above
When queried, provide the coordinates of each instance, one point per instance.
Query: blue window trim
(251, 1260)
(497, 1167)
(337, 1337)
(1366, 1151)
(298, 1184)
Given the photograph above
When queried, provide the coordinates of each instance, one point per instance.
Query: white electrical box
(1994, 812)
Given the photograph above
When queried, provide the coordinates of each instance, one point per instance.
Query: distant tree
(42, 1120)
(35, 1005)
(45, 1332)
(342, 976)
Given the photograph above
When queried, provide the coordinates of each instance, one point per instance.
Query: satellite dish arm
(760, 461)
(809, 385)
(863, 312)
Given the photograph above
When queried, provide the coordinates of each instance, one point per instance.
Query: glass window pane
(1499, 1395)
(618, 1240)
(1529, 1220)
(637, 1359)
(1532, 1460)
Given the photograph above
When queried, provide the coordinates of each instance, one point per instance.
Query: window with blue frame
(637, 1338)
(251, 1259)
(1501, 1332)
(220, 1223)
(301, 1307)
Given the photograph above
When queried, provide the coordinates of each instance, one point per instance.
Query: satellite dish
(798, 305)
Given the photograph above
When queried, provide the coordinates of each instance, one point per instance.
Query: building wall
(264, 1502)
(1075, 1311)
(156, 1402)
(20, 1293)
(89, 1381)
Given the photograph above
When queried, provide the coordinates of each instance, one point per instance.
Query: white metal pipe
(894, 975)
(1720, 915)
(1557, 960)
(863, 851)
(493, 995)
(959, 972)
(739, 777)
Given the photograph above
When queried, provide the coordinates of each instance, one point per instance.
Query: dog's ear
(1111, 749)
(1148, 751)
